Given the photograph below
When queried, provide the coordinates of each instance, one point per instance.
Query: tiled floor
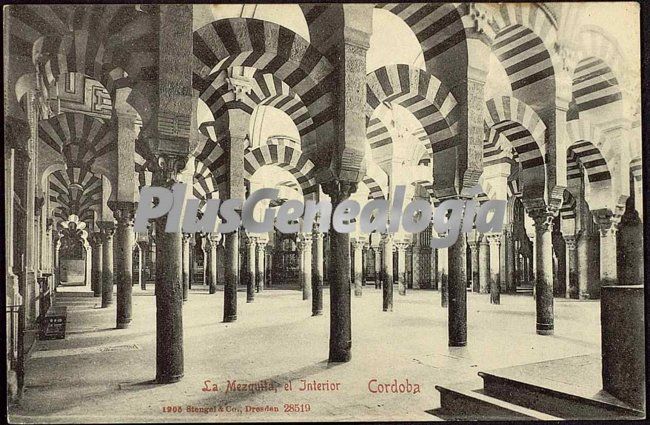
(102, 374)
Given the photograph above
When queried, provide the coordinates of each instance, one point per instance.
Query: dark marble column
(544, 262)
(124, 240)
(231, 277)
(387, 274)
(457, 287)
(317, 274)
(340, 347)
(495, 268)
(433, 270)
(96, 241)
(169, 283)
(108, 229)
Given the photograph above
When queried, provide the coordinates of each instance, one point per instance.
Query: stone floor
(100, 374)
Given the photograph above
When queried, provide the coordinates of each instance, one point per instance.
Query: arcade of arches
(535, 103)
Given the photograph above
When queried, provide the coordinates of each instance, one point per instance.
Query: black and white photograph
(306, 212)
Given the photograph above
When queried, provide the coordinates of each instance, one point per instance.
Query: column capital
(317, 235)
(251, 239)
(401, 245)
(123, 211)
(543, 217)
(96, 239)
(571, 241)
(213, 238)
(358, 244)
(107, 229)
(386, 238)
(607, 222)
(493, 238)
(339, 190)
(168, 167)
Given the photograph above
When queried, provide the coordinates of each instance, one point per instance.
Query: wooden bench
(54, 323)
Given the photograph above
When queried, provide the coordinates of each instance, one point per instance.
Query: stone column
(307, 266)
(108, 229)
(387, 240)
(377, 251)
(457, 288)
(192, 262)
(544, 266)
(169, 282)
(608, 226)
(251, 247)
(570, 242)
(433, 270)
(484, 265)
(30, 301)
(401, 267)
(416, 266)
(143, 259)
(443, 277)
(474, 247)
(212, 240)
(340, 297)
(358, 267)
(231, 277)
(124, 239)
(259, 263)
(96, 240)
(511, 284)
(317, 274)
(582, 253)
(495, 269)
(186, 265)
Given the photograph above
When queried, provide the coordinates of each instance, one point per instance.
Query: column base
(97, 295)
(249, 300)
(106, 305)
(169, 379)
(123, 325)
(340, 357)
(229, 319)
(317, 313)
(544, 329)
(457, 343)
(357, 293)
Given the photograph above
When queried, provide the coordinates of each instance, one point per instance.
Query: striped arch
(594, 85)
(113, 44)
(266, 89)
(568, 208)
(380, 139)
(511, 116)
(80, 138)
(75, 191)
(526, 36)
(287, 158)
(376, 192)
(421, 94)
(507, 119)
(583, 155)
(376, 180)
(272, 49)
(205, 183)
(437, 26)
(212, 160)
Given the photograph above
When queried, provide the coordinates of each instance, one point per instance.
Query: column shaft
(124, 238)
(544, 278)
(484, 265)
(388, 273)
(340, 313)
(107, 267)
(231, 277)
(97, 265)
(307, 266)
(358, 268)
(401, 268)
(186, 266)
(317, 275)
(495, 269)
(250, 269)
(457, 288)
(474, 247)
